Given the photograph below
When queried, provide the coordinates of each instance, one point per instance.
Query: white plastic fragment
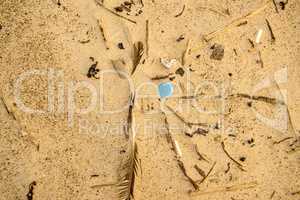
(168, 63)
(177, 149)
(258, 36)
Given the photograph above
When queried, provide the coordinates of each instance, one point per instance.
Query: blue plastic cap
(165, 89)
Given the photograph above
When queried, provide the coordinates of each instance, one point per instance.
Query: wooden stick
(271, 31)
(181, 165)
(240, 166)
(207, 175)
(200, 171)
(181, 12)
(275, 6)
(258, 98)
(201, 157)
(103, 34)
(147, 37)
(283, 140)
(161, 77)
(7, 109)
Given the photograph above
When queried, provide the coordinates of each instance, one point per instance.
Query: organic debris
(103, 185)
(218, 52)
(283, 4)
(211, 35)
(224, 13)
(181, 37)
(112, 12)
(180, 71)
(186, 52)
(7, 109)
(283, 140)
(130, 167)
(181, 12)
(181, 165)
(84, 41)
(103, 33)
(275, 6)
(269, 100)
(147, 37)
(93, 71)
(121, 46)
(162, 77)
(200, 155)
(207, 175)
(232, 188)
(240, 166)
(198, 131)
(138, 51)
(271, 31)
(228, 168)
(29, 195)
(260, 61)
(251, 43)
(200, 171)
(242, 23)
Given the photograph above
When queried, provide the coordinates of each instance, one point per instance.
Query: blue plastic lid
(165, 89)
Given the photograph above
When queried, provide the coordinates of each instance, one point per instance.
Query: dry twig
(147, 37)
(207, 175)
(181, 165)
(181, 12)
(103, 33)
(201, 157)
(240, 166)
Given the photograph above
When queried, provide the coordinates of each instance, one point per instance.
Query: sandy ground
(69, 155)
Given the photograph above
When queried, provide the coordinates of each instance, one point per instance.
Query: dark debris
(218, 52)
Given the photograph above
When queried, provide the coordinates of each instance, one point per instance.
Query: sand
(53, 151)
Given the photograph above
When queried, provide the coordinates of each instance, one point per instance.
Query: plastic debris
(165, 89)
(258, 36)
(177, 149)
(168, 63)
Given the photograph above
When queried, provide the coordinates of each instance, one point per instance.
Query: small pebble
(180, 71)
(121, 46)
(218, 52)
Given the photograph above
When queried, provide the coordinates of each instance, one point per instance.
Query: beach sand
(62, 133)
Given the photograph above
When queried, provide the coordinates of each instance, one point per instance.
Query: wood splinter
(239, 165)
(181, 12)
(207, 175)
(181, 165)
(103, 34)
(271, 31)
